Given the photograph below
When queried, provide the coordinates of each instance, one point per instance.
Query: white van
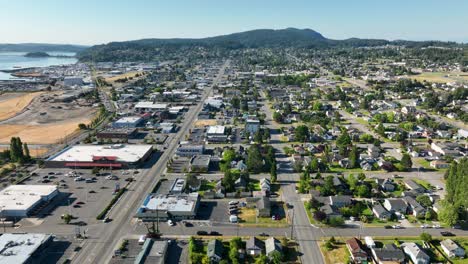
(141, 240)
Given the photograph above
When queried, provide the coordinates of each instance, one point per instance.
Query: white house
(452, 249)
(416, 254)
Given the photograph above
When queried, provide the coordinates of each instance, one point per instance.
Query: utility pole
(292, 224)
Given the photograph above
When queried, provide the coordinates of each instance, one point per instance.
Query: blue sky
(101, 21)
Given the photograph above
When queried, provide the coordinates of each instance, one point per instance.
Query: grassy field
(34, 152)
(441, 77)
(122, 76)
(248, 217)
(339, 254)
(15, 104)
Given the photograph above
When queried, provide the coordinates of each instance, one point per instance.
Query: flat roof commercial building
(168, 206)
(17, 201)
(104, 156)
(23, 248)
(146, 106)
(128, 122)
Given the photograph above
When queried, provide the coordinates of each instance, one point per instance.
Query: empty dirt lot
(13, 103)
(45, 121)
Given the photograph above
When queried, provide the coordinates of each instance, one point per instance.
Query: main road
(99, 246)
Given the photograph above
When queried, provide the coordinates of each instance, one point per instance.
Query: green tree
(254, 159)
(67, 218)
(352, 181)
(229, 155)
(336, 221)
(448, 214)
(406, 162)
(277, 117)
(301, 133)
(276, 257)
(314, 164)
(273, 172)
(344, 139)
(363, 191)
(424, 200)
(426, 237)
(361, 176)
(228, 181)
(27, 155)
(354, 157)
(262, 259)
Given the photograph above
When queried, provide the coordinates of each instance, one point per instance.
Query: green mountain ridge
(150, 49)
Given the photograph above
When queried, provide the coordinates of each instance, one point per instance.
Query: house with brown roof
(357, 250)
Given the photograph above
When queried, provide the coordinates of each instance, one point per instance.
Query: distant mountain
(151, 49)
(40, 47)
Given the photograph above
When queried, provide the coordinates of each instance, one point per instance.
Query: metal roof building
(22, 248)
(20, 200)
(115, 156)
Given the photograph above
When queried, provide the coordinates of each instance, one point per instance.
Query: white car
(436, 226)
(170, 223)
(424, 226)
(233, 202)
(396, 226)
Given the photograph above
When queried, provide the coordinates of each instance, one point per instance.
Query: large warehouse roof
(23, 197)
(88, 153)
(18, 248)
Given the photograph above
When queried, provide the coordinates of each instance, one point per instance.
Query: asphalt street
(99, 247)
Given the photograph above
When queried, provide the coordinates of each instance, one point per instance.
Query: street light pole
(292, 223)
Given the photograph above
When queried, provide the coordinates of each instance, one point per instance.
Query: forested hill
(40, 47)
(152, 49)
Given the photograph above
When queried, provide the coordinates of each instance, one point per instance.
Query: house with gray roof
(380, 212)
(389, 253)
(416, 254)
(340, 201)
(215, 250)
(394, 205)
(254, 246)
(452, 249)
(416, 209)
(273, 245)
(412, 185)
(263, 206)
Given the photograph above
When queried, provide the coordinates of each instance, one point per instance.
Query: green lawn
(424, 184)
(311, 217)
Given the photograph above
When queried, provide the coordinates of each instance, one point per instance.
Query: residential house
(438, 164)
(330, 211)
(386, 184)
(265, 184)
(240, 184)
(390, 253)
(356, 250)
(200, 163)
(395, 205)
(416, 254)
(452, 249)
(215, 250)
(412, 185)
(273, 245)
(415, 208)
(380, 212)
(263, 206)
(254, 246)
(373, 151)
(340, 201)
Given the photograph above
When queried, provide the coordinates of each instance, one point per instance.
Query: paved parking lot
(214, 210)
(84, 200)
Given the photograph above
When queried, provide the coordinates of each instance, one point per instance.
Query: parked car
(188, 224)
(202, 233)
(170, 223)
(215, 233)
(264, 234)
(233, 202)
(446, 233)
